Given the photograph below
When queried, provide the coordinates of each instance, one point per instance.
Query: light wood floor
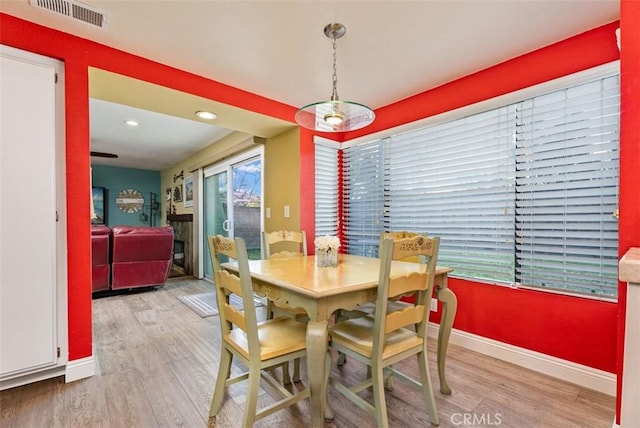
(157, 361)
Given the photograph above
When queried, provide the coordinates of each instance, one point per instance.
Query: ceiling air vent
(74, 9)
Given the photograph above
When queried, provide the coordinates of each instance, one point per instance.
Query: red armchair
(140, 256)
(100, 236)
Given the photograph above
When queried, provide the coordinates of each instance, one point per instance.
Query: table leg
(316, 369)
(449, 308)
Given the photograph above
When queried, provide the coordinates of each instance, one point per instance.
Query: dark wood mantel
(180, 217)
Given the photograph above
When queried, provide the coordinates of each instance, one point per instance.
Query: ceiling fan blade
(104, 155)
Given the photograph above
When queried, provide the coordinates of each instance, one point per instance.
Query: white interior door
(30, 302)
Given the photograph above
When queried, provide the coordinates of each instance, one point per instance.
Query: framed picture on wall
(177, 193)
(188, 191)
(97, 198)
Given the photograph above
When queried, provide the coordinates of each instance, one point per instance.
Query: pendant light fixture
(334, 115)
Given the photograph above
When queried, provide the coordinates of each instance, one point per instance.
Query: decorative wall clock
(130, 200)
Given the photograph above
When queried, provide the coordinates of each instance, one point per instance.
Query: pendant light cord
(334, 95)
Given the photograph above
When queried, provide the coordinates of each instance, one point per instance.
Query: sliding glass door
(232, 202)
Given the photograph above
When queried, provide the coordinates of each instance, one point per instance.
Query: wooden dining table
(321, 291)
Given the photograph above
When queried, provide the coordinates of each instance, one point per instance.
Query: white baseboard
(578, 374)
(80, 369)
(31, 377)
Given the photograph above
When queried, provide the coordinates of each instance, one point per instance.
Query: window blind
(455, 180)
(522, 194)
(326, 187)
(364, 194)
(567, 189)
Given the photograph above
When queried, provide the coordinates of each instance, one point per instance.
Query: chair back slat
(412, 247)
(396, 235)
(407, 284)
(229, 282)
(234, 316)
(410, 315)
(285, 254)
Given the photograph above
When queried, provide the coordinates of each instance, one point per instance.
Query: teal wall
(116, 179)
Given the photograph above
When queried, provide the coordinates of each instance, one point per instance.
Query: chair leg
(269, 314)
(341, 315)
(380, 403)
(224, 370)
(296, 370)
(252, 397)
(286, 378)
(388, 381)
(388, 384)
(427, 388)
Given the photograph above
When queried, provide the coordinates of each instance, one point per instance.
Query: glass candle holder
(327, 257)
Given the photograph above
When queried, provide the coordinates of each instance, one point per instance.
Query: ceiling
(393, 49)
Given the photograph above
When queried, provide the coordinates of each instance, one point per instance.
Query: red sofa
(100, 268)
(140, 256)
(130, 257)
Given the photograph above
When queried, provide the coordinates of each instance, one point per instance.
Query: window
(455, 180)
(567, 189)
(522, 194)
(326, 183)
(364, 195)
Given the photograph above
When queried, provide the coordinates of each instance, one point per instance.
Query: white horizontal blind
(567, 189)
(523, 194)
(364, 195)
(326, 187)
(455, 180)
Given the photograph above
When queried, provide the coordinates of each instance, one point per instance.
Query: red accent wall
(589, 49)
(574, 329)
(307, 187)
(78, 215)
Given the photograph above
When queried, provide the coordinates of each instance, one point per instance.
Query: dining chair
(394, 305)
(382, 339)
(286, 243)
(368, 308)
(258, 345)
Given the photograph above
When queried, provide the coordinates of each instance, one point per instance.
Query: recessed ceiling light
(131, 122)
(203, 114)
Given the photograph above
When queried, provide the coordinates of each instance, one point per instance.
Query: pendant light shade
(334, 115)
